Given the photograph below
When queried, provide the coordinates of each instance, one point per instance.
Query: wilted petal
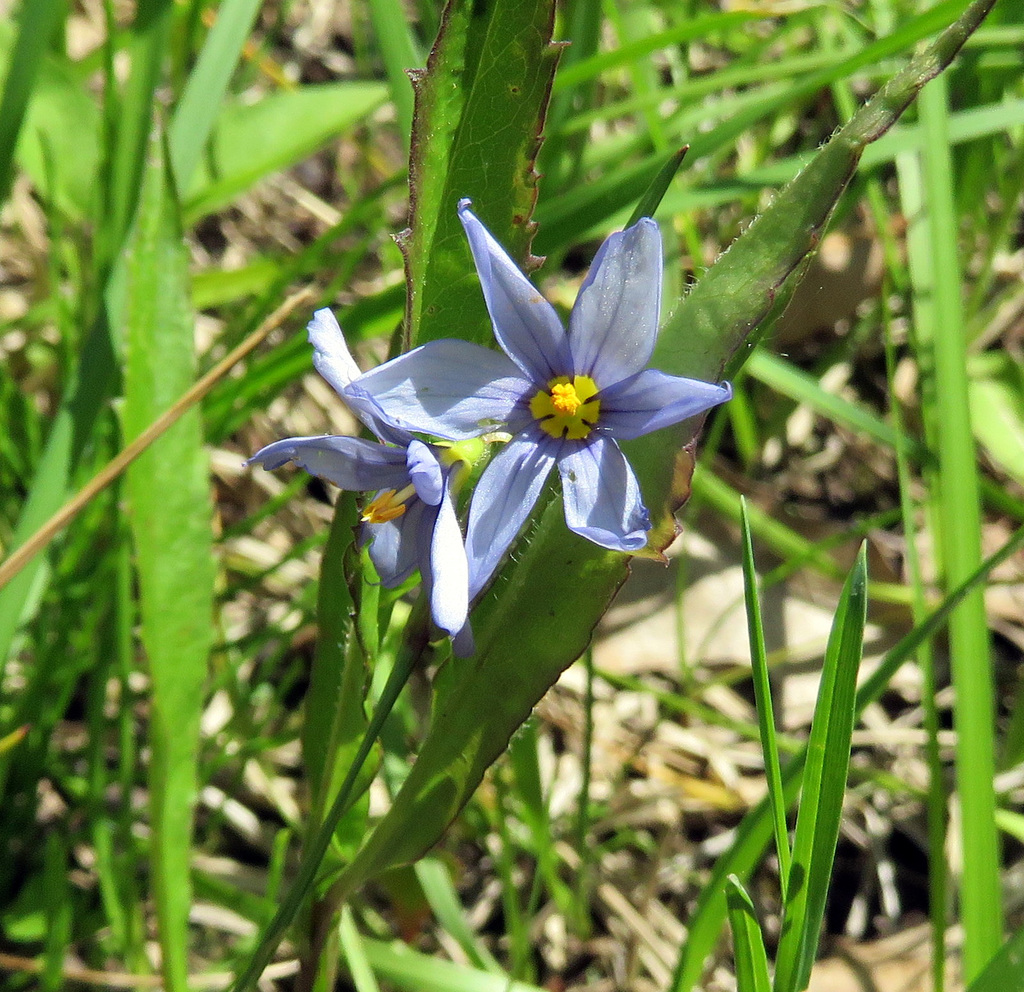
(331, 356)
(449, 595)
(525, 324)
(614, 322)
(394, 544)
(449, 389)
(502, 501)
(425, 472)
(602, 497)
(349, 462)
(653, 399)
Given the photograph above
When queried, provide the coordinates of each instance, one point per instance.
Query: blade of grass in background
(763, 703)
(37, 22)
(755, 831)
(750, 957)
(400, 53)
(938, 871)
(200, 101)
(171, 516)
(823, 787)
(958, 517)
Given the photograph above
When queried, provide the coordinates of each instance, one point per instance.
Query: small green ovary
(567, 407)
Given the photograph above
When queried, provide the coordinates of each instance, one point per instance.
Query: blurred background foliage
(582, 860)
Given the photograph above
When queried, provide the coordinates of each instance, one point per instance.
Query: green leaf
(200, 102)
(405, 968)
(59, 146)
(749, 955)
(996, 390)
(1005, 972)
(170, 511)
(479, 112)
(823, 786)
(763, 699)
(335, 720)
(37, 20)
(253, 140)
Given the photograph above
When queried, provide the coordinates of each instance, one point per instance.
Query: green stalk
(959, 521)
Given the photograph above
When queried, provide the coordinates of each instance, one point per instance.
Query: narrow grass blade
(335, 721)
(399, 52)
(754, 832)
(355, 957)
(763, 700)
(299, 120)
(200, 102)
(749, 955)
(405, 968)
(649, 202)
(169, 496)
(436, 881)
(37, 21)
(823, 787)
(959, 520)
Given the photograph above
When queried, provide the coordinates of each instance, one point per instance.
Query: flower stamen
(389, 504)
(567, 408)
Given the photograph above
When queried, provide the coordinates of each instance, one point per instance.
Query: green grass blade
(405, 968)
(335, 721)
(129, 118)
(823, 787)
(355, 956)
(252, 140)
(169, 497)
(399, 52)
(648, 205)
(436, 881)
(37, 21)
(753, 834)
(959, 521)
(749, 955)
(201, 99)
(763, 700)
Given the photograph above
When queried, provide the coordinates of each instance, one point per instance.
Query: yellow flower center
(387, 505)
(567, 408)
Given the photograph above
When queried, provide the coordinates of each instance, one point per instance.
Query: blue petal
(653, 399)
(602, 497)
(331, 356)
(449, 593)
(349, 462)
(394, 549)
(502, 501)
(525, 324)
(425, 472)
(449, 389)
(614, 322)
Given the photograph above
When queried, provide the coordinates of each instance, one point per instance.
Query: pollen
(564, 398)
(386, 505)
(567, 408)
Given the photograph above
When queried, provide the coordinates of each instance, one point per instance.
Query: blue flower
(566, 398)
(411, 521)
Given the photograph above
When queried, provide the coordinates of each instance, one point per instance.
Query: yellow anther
(564, 398)
(567, 408)
(386, 505)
